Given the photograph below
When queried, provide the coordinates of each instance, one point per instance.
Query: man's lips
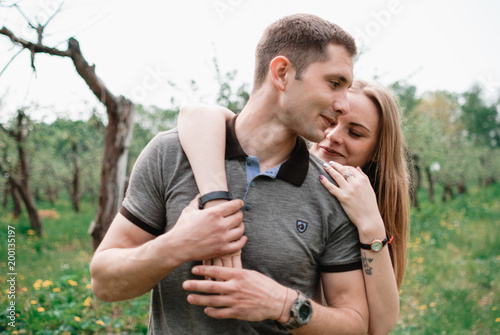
(327, 120)
(331, 151)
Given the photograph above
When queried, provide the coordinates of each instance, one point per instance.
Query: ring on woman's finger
(348, 174)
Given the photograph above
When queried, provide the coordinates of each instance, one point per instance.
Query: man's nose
(341, 104)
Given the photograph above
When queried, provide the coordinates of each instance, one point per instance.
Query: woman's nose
(334, 135)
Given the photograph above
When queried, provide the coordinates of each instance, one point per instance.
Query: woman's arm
(358, 199)
(202, 133)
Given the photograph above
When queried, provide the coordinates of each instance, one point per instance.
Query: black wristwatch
(301, 312)
(213, 196)
(376, 245)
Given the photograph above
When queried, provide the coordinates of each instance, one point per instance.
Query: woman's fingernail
(331, 162)
(325, 165)
(320, 177)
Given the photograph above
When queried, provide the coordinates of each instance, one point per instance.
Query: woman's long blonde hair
(388, 172)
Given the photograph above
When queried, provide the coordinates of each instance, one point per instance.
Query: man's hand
(210, 232)
(238, 293)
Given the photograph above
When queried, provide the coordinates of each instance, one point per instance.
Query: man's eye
(335, 83)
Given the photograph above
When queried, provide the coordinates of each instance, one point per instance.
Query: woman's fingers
(333, 189)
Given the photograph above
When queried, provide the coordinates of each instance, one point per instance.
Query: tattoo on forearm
(366, 264)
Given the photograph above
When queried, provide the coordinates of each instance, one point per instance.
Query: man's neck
(261, 134)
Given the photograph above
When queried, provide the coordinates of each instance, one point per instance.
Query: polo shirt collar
(294, 170)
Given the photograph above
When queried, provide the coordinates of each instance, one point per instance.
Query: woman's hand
(228, 261)
(355, 194)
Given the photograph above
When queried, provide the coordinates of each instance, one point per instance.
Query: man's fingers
(215, 272)
(228, 208)
(194, 203)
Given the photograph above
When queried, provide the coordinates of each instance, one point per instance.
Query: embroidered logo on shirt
(301, 226)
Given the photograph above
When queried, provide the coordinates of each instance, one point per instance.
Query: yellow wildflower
(56, 289)
(40, 309)
(77, 319)
(497, 320)
(422, 307)
(87, 301)
(47, 283)
(99, 322)
(88, 286)
(33, 302)
(24, 289)
(31, 232)
(432, 304)
(37, 284)
(72, 282)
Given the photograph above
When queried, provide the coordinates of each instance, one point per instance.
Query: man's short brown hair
(303, 39)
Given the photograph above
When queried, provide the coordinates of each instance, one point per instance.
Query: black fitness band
(214, 196)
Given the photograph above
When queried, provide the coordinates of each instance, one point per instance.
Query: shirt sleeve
(342, 252)
(144, 203)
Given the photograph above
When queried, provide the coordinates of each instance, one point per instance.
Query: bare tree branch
(24, 15)
(86, 71)
(55, 13)
(32, 46)
(10, 61)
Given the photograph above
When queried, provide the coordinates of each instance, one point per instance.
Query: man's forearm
(126, 273)
(329, 320)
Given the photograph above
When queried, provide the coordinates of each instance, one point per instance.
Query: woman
(365, 153)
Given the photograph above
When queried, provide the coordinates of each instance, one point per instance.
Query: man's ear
(281, 69)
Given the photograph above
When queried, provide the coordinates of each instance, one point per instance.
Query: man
(295, 233)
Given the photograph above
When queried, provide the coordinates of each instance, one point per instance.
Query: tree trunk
(35, 221)
(431, 183)
(6, 193)
(75, 183)
(447, 192)
(462, 187)
(51, 195)
(116, 143)
(17, 209)
(23, 185)
(415, 175)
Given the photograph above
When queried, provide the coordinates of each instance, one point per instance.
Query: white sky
(138, 46)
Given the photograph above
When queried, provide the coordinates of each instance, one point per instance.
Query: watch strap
(213, 196)
(296, 318)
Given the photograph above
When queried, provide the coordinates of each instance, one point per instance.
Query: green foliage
(481, 120)
(451, 284)
(226, 97)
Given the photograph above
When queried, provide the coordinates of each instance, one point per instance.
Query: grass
(451, 284)
(53, 294)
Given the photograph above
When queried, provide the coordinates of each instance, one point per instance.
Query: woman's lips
(331, 152)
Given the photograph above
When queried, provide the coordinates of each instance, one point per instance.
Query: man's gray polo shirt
(295, 228)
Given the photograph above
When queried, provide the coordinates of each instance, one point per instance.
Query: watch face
(376, 245)
(305, 312)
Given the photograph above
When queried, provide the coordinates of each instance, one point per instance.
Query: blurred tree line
(453, 142)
